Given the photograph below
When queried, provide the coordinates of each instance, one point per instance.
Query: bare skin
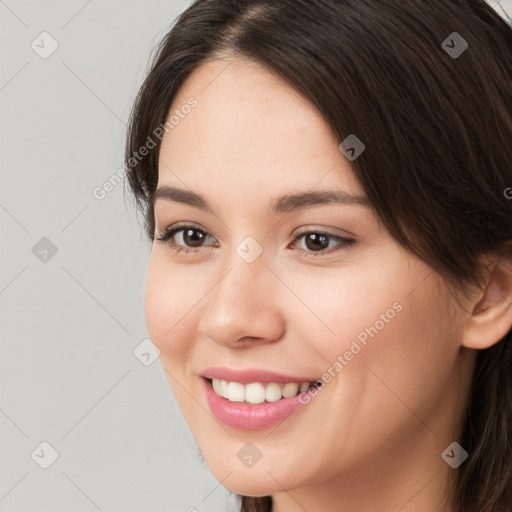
(372, 438)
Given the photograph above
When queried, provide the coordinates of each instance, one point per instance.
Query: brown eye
(193, 237)
(184, 236)
(316, 243)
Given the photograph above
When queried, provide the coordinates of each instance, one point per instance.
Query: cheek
(406, 363)
(385, 319)
(169, 299)
(421, 345)
(341, 304)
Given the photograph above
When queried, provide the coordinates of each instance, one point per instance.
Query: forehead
(249, 130)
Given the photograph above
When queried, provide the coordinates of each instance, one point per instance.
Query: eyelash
(166, 237)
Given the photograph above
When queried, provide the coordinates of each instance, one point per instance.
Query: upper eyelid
(176, 228)
(301, 230)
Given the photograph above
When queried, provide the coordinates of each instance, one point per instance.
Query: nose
(243, 306)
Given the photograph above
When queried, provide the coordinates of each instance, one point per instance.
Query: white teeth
(236, 392)
(256, 392)
(304, 387)
(291, 389)
(224, 388)
(273, 392)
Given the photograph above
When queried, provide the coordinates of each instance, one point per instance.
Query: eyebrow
(277, 206)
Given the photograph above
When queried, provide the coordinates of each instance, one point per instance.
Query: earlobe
(491, 317)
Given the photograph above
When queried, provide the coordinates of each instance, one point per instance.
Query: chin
(249, 481)
(250, 486)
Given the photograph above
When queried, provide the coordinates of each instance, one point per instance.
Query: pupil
(194, 239)
(324, 242)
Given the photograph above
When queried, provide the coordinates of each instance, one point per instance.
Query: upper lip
(252, 375)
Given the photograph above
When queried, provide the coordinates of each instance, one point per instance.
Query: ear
(491, 317)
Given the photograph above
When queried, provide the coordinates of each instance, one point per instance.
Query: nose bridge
(242, 303)
(246, 274)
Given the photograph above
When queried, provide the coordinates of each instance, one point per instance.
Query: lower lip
(250, 417)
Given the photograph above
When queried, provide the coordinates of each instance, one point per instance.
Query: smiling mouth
(258, 392)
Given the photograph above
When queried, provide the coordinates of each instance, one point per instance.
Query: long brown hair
(437, 127)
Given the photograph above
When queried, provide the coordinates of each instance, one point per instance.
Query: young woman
(327, 185)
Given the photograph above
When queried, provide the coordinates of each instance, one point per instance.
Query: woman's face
(254, 292)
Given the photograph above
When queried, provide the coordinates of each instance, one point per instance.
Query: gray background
(70, 324)
(70, 321)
